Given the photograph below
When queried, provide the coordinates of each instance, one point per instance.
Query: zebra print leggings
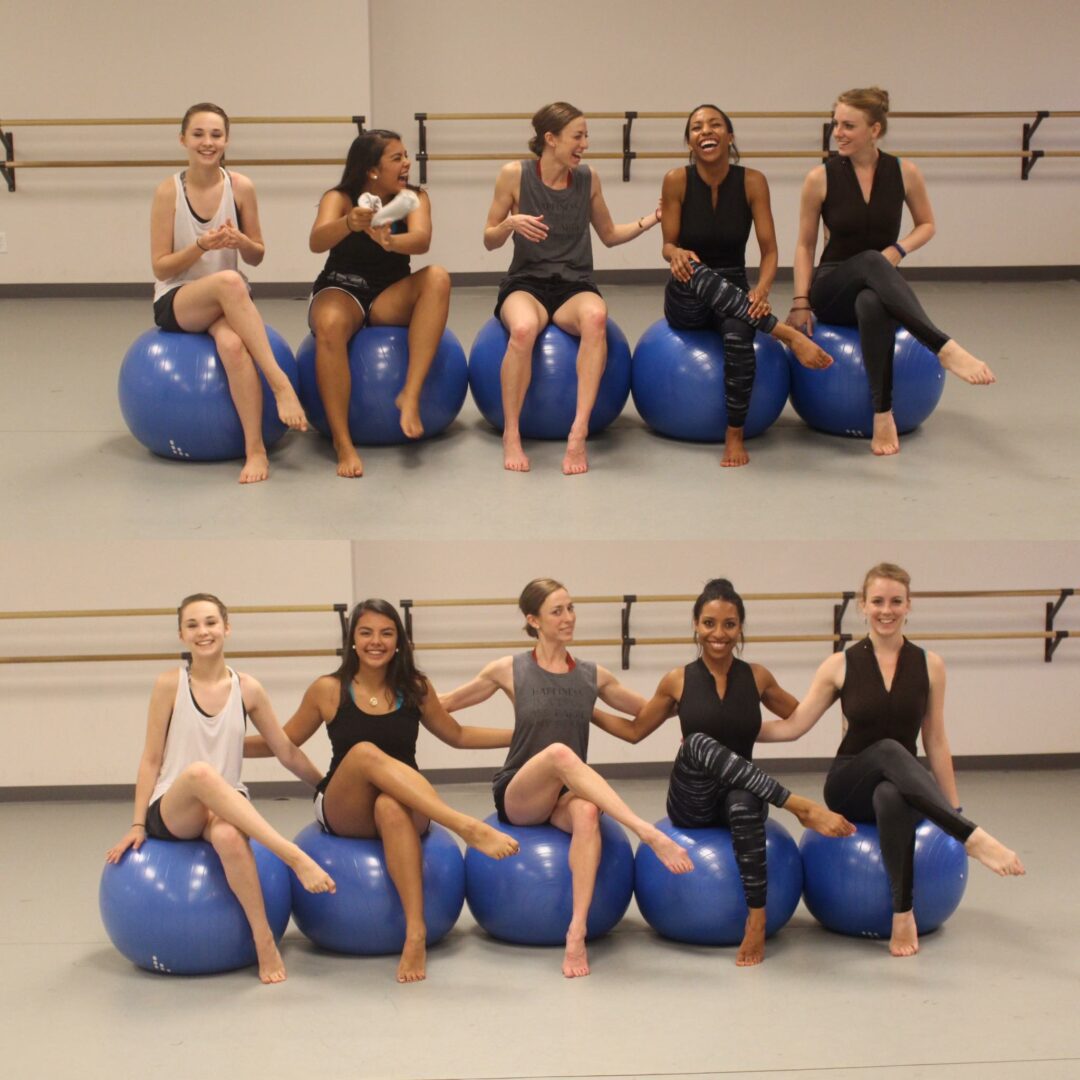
(711, 785)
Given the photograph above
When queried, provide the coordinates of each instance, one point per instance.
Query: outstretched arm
(498, 675)
(773, 696)
(262, 716)
(304, 722)
(611, 235)
(935, 741)
(649, 717)
(613, 693)
(443, 726)
(823, 691)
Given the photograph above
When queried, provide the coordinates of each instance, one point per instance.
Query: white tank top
(187, 228)
(194, 736)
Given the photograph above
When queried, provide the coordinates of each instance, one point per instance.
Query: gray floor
(999, 463)
(993, 995)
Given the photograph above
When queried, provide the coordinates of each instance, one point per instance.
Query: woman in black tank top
(891, 692)
(859, 195)
(372, 707)
(718, 699)
(366, 281)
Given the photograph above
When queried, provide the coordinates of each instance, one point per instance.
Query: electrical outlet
(3, 243)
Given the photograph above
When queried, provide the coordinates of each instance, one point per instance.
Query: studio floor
(997, 463)
(991, 996)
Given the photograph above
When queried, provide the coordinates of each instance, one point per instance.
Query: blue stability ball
(837, 400)
(526, 898)
(175, 397)
(708, 906)
(551, 400)
(378, 360)
(678, 383)
(364, 916)
(168, 908)
(847, 890)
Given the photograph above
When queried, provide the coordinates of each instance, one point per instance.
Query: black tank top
(359, 254)
(874, 713)
(734, 719)
(854, 224)
(719, 235)
(394, 733)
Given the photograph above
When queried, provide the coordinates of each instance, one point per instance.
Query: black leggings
(717, 300)
(712, 785)
(869, 292)
(887, 785)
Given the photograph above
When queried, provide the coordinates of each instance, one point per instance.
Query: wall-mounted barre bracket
(839, 610)
(1028, 163)
(1052, 608)
(359, 122)
(421, 144)
(6, 170)
(628, 155)
(342, 610)
(627, 640)
(406, 606)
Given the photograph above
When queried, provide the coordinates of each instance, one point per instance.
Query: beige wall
(279, 56)
(84, 723)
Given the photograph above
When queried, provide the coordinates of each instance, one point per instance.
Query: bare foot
(734, 448)
(752, 949)
(576, 460)
(886, 439)
(494, 844)
(993, 854)
(905, 938)
(349, 464)
(807, 353)
(312, 876)
(271, 966)
(576, 959)
(412, 967)
(290, 411)
(955, 358)
(410, 415)
(514, 458)
(672, 855)
(256, 468)
(820, 818)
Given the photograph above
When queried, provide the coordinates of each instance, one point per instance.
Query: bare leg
(335, 317)
(421, 302)
(245, 389)
(805, 351)
(239, 864)
(886, 439)
(199, 791)
(586, 316)
(532, 794)
(524, 317)
(955, 358)
(582, 820)
(993, 854)
(905, 936)
(199, 304)
(734, 449)
(812, 815)
(752, 949)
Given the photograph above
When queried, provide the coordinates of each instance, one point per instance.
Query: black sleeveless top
(394, 733)
(874, 713)
(719, 235)
(359, 254)
(734, 719)
(854, 224)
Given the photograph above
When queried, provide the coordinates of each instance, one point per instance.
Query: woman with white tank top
(202, 219)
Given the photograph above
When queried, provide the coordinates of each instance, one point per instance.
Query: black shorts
(155, 827)
(164, 317)
(359, 288)
(498, 792)
(552, 292)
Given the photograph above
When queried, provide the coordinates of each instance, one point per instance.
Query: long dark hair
(402, 675)
(722, 589)
(365, 153)
(733, 152)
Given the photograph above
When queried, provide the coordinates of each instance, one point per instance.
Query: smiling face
(569, 145)
(392, 173)
(718, 629)
(853, 131)
(375, 639)
(886, 604)
(556, 619)
(205, 138)
(202, 628)
(708, 136)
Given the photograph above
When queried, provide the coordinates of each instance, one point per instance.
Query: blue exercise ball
(837, 399)
(168, 908)
(678, 383)
(175, 399)
(378, 360)
(364, 917)
(551, 400)
(526, 898)
(846, 887)
(708, 906)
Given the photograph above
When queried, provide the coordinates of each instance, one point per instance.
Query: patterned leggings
(711, 785)
(717, 300)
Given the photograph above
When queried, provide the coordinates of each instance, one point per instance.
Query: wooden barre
(767, 115)
(95, 658)
(149, 121)
(252, 609)
(166, 163)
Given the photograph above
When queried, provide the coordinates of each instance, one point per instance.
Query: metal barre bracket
(627, 640)
(421, 156)
(7, 170)
(1028, 163)
(406, 606)
(1052, 608)
(839, 610)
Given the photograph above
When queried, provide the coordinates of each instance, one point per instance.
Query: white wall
(64, 724)
(317, 57)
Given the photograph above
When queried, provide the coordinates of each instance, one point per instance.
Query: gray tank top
(567, 250)
(548, 709)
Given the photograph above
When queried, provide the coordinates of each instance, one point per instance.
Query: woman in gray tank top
(545, 778)
(547, 204)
